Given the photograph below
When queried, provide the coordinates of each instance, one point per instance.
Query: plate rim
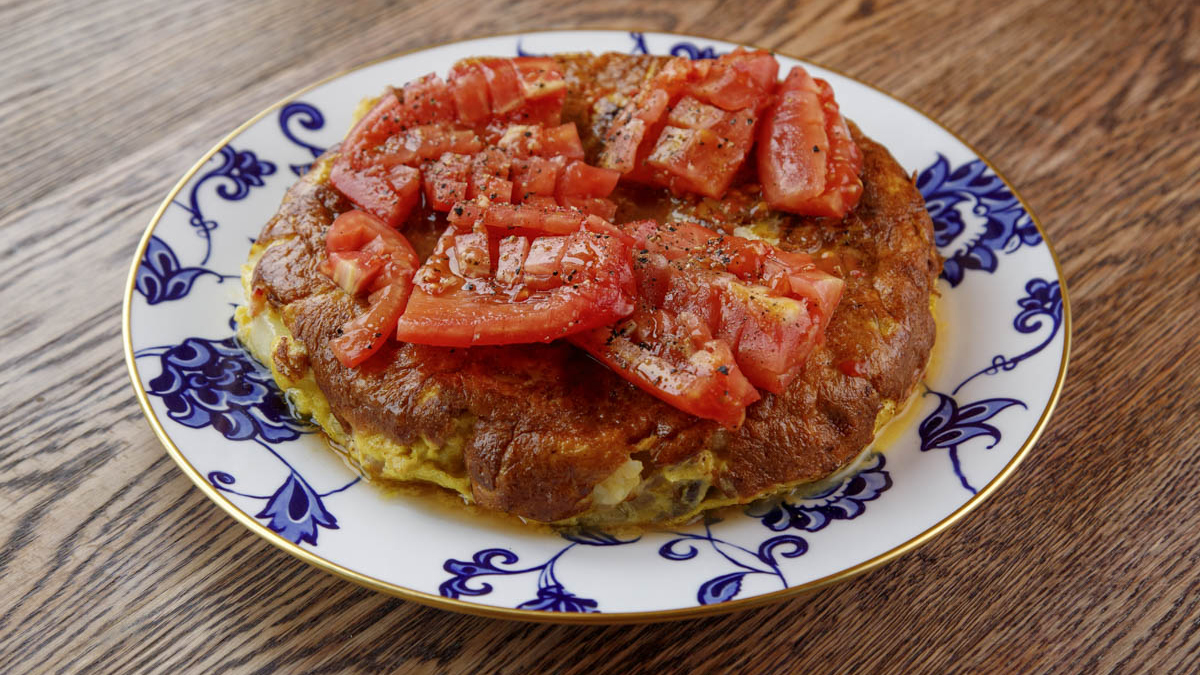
(645, 616)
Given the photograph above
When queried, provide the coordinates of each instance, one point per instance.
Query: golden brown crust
(547, 423)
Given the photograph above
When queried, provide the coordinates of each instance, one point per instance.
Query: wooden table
(1088, 560)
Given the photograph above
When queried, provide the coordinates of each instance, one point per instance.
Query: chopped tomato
(564, 285)
(640, 120)
(544, 89)
(700, 145)
(522, 140)
(540, 201)
(534, 176)
(427, 100)
(354, 271)
(470, 89)
(770, 306)
(528, 90)
(445, 181)
(426, 142)
(807, 161)
(354, 230)
(389, 194)
(540, 77)
(366, 333)
(585, 187)
(739, 80)
(364, 254)
(579, 179)
(675, 358)
(373, 129)
(489, 176)
(504, 85)
(518, 219)
(592, 206)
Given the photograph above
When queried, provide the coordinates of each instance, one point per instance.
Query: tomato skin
(366, 333)
(770, 306)
(534, 176)
(427, 100)
(676, 361)
(581, 180)
(793, 145)
(807, 161)
(365, 254)
(389, 195)
(470, 89)
(738, 80)
(373, 129)
(594, 287)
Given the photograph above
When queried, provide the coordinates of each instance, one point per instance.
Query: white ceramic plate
(1001, 357)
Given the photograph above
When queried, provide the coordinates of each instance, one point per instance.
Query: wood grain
(1088, 560)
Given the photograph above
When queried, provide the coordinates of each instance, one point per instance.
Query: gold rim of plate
(572, 617)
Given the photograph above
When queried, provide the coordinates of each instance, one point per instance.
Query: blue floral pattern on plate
(214, 383)
(161, 277)
(844, 501)
(972, 189)
(951, 424)
(237, 173)
(551, 595)
(309, 117)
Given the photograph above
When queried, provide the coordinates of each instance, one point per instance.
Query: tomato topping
(640, 119)
(579, 179)
(445, 180)
(739, 80)
(770, 305)
(425, 142)
(504, 85)
(544, 88)
(525, 89)
(541, 289)
(540, 77)
(470, 89)
(706, 136)
(366, 333)
(374, 128)
(675, 358)
(353, 270)
(519, 219)
(364, 254)
(591, 206)
(534, 176)
(522, 140)
(807, 161)
(389, 194)
(702, 147)
(427, 100)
